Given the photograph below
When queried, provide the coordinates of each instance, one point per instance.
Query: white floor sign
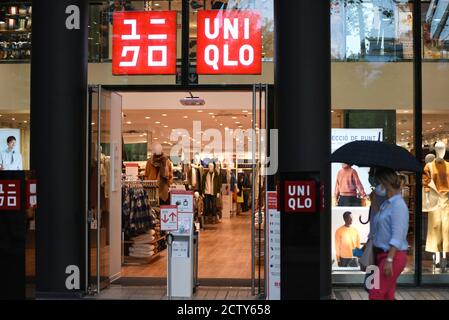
(274, 247)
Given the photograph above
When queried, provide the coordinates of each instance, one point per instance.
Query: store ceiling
(156, 115)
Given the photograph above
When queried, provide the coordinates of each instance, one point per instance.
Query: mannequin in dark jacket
(210, 189)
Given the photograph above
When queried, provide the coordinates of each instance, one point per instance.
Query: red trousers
(387, 285)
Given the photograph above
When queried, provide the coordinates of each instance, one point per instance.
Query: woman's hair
(388, 177)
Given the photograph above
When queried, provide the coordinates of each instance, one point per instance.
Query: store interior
(151, 127)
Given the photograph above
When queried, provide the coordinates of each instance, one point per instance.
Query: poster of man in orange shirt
(347, 238)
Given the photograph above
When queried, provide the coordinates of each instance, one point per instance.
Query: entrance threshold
(208, 282)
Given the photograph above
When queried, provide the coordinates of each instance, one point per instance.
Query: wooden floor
(224, 252)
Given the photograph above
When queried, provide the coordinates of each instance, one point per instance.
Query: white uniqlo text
(10, 196)
(135, 50)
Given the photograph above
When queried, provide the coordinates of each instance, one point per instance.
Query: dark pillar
(417, 115)
(58, 102)
(303, 99)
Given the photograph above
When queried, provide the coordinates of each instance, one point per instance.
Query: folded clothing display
(144, 238)
(141, 255)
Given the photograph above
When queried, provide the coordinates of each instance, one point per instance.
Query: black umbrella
(376, 154)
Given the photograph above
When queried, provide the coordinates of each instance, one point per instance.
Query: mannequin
(436, 176)
(210, 189)
(198, 207)
(196, 173)
(159, 168)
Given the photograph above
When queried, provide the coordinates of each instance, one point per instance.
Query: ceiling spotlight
(165, 126)
(200, 111)
(164, 114)
(186, 117)
(245, 111)
(157, 122)
(128, 122)
(211, 113)
(147, 118)
(234, 118)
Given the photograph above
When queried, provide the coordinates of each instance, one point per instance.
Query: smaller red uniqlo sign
(229, 42)
(9, 195)
(272, 200)
(300, 196)
(31, 193)
(144, 42)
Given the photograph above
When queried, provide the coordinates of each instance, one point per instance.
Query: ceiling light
(245, 111)
(155, 138)
(211, 113)
(234, 118)
(128, 122)
(226, 128)
(147, 118)
(164, 114)
(165, 126)
(25, 121)
(157, 122)
(13, 119)
(93, 123)
(237, 122)
(221, 124)
(433, 128)
(185, 117)
(428, 122)
(200, 111)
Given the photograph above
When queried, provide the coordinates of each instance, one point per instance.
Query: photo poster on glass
(352, 178)
(7, 132)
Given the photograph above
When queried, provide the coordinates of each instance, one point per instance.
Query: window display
(15, 31)
(436, 178)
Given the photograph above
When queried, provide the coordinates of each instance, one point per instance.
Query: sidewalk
(401, 294)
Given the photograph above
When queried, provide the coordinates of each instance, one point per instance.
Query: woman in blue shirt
(389, 229)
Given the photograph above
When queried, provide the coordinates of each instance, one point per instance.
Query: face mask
(380, 190)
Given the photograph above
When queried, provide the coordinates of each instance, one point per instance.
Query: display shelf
(15, 31)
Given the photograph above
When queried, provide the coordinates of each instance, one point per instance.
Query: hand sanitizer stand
(182, 257)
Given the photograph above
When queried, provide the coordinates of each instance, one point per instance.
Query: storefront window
(435, 135)
(15, 31)
(100, 22)
(372, 99)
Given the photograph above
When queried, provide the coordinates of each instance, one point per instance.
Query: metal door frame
(254, 88)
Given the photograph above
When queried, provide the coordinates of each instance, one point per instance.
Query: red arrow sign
(164, 220)
(172, 216)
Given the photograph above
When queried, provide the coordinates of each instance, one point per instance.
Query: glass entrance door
(259, 152)
(97, 227)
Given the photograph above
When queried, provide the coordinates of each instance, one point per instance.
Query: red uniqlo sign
(300, 196)
(9, 195)
(229, 42)
(144, 43)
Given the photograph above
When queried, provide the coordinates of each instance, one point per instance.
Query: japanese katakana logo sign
(9, 195)
(144, 43)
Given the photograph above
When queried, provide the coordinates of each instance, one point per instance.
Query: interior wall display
(5, 133)
(144, 42)
(350, 205)
(229, 42)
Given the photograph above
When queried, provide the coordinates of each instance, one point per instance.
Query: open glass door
(97, 228)
(259, 141)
